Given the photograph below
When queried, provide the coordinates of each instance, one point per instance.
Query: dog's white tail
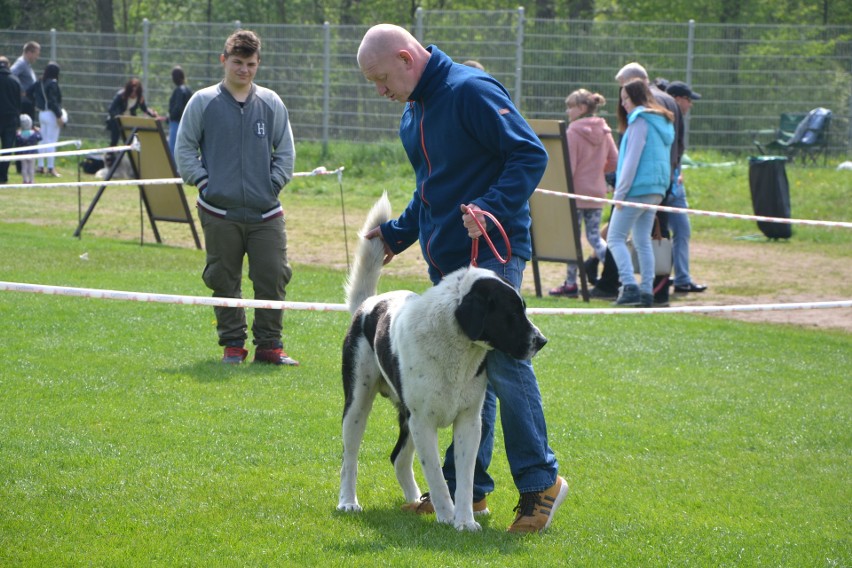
(363, 278)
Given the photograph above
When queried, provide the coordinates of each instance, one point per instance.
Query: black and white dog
(427, 354)
(123, 171)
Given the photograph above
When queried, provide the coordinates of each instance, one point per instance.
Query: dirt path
(762, 273)
(737, 272)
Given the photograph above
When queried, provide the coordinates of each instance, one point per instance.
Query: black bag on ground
(770, 194)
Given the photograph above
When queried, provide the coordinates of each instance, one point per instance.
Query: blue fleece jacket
(468, 144)
(644, 156)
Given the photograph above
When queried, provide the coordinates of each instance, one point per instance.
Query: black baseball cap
(681, 89)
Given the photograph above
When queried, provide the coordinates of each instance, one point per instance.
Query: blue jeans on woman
(531, 461)
(640, 222)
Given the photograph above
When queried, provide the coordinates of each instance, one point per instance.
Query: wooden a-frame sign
(554, 230)
(162, 202)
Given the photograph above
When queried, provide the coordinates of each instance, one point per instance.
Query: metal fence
(747, 74)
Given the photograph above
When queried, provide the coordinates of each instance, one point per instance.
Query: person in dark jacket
(128, 100)
(470, 146)
(47, 98)
(242, 133)
(679, 223)
(177, 102)
(10, 112)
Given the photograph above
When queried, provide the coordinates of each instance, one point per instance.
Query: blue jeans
(173, 128)
(531, 461)
(681, 232)
(640, 222)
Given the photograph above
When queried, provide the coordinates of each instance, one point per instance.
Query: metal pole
(418, 24)
(146, 32)
(690, 49)
(326, 87)
(519, 57)
(849, 141)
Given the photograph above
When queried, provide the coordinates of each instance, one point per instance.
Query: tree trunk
(106, 16)
(545, 10)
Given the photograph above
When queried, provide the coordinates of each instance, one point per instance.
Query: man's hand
(376, 232)
(473, 230)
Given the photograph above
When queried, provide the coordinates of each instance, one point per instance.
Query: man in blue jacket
(470, 146)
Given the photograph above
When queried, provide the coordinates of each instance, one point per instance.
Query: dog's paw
(349, 507)
(471, 526)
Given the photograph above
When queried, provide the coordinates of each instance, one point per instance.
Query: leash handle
(474, 247)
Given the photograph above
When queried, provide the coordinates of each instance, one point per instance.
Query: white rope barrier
(320, 171)
(699, 211)
(315, 306)
(169, 298)
(110, 183)
(76, 143)
(328, 307)
(694, 309)
(138, 182)
(339, 171)
(134, 146)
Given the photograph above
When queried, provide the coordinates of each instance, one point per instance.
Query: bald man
(469, 146)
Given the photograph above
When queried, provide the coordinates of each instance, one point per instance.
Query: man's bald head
(393, 59)
(383, 39)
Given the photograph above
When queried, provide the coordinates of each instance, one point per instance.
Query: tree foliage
(126, 16)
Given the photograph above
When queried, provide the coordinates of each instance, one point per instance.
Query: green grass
(815, 193)
(818, 193)
(686, 440)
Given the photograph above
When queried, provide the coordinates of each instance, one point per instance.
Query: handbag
(63, 116)
(662, 252)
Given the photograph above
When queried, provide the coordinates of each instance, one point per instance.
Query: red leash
(474, 248)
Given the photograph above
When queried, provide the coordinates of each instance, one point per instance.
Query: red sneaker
(565, 290)
(274, 357)
(234, 355)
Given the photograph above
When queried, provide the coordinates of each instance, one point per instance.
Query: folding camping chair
(787, 123)
(808, 141)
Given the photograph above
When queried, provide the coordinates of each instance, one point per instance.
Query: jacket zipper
(423, 185)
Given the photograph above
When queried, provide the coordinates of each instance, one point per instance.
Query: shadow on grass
(214, 371)
(397, 530)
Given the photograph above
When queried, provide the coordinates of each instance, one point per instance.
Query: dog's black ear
(472, 312)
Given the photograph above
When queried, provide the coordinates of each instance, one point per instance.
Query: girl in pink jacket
(593, 153)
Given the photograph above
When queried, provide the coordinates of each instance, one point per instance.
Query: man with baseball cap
(681, 89)
(679, 222)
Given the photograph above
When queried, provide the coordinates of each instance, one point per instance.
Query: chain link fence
(747, 74)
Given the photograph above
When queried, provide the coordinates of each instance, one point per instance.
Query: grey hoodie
(246, 152)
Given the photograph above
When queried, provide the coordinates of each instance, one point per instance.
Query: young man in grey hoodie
(235, 144)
